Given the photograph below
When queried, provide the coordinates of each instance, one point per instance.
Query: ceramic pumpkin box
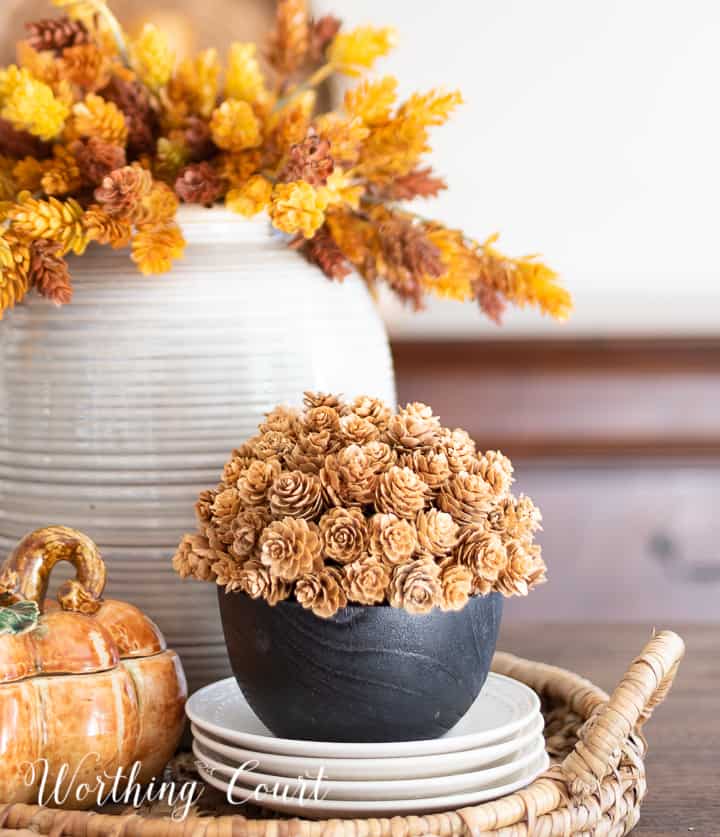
(87, 686)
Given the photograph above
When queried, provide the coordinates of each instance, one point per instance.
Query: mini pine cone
(195, 558)
(307, 510)
(344, 534)
(366, 580)
(295, 494)
(255, 580)
(322, 592)
(246, 529)
(393, 539)
(290, 548)
(416, 586)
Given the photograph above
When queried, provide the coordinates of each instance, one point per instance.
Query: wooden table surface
(683, 762)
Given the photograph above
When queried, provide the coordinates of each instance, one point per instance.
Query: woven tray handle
(643, 687)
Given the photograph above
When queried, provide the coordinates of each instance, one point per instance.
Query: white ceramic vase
(116, 410)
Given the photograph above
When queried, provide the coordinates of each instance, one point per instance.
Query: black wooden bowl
(368, 674)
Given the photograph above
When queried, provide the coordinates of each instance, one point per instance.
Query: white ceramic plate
(377, 791)
(421, 767)
(312, 808)
(503, 707)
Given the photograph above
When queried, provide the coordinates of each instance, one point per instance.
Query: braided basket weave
(594, 787)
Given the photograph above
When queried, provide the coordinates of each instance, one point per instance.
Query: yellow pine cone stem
(60, 221)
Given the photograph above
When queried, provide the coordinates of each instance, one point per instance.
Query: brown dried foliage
(199, 183)
(56, 34)
(324, 252)
(49, 272)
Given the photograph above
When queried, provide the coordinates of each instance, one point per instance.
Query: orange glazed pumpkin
(90, 684)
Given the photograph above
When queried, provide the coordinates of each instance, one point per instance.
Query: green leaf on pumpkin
(19, 618)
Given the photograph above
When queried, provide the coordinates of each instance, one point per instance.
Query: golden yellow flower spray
(102, 136)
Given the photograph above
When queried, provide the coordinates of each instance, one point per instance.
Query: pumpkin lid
(79, 634)
(134, 633)
(61, 643)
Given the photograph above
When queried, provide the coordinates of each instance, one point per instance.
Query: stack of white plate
(497, 748)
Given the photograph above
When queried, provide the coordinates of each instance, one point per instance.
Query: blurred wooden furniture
(684, 732)
(619, 444)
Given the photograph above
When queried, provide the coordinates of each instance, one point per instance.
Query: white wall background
(591, 133)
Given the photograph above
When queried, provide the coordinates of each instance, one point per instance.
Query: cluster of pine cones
(344, 503)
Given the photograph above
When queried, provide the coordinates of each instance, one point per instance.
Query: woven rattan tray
(593, 789)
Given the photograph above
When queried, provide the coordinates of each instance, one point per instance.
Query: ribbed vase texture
(118, 409)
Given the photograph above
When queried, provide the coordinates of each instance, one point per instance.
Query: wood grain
(683, 763)
(575, 397)
(618, 442)
(625, 539)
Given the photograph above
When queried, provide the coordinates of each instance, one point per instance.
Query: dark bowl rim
(354, 606)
